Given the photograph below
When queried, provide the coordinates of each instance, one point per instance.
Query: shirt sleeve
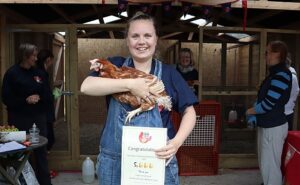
(279, 84)
(9, 97)
(295, 85)
(183, 96)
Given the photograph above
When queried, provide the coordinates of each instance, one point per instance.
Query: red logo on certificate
(144, 137)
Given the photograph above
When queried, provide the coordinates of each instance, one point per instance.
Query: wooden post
(223, 65)
(200, 63)
(2, 61)
(262, 50)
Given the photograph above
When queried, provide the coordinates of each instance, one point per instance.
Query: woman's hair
(140, 16)
(289, 59)
(281, 48)
(42, 57)
(187, 50)
(25, 51)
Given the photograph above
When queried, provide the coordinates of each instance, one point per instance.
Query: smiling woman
(141, 40)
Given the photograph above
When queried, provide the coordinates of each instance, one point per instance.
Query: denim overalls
(109, 159)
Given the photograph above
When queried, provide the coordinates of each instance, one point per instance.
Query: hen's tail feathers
(165, 101)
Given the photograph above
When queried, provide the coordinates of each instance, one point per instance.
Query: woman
(23, 93)
(187, 70)
(141, 39)
(45, 60)
(289, 107)
(268, 109)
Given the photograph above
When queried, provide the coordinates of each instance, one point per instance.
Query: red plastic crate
(196, 161)
(199, 155)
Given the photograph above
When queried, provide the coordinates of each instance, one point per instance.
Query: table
(291, 158)
(17, 159)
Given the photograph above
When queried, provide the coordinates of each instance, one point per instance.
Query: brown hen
(108, 70)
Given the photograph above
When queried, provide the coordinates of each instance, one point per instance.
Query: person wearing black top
(269, 110)
(186, 68)
(45, 60)
(24, 94)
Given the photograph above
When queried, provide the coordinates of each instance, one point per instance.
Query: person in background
(187, 70)
(289, 107)
(272, 125)
(44, 62)
(24, 94)
(141, 39)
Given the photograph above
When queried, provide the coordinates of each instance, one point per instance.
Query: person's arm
(98, 86)
(187, 124)
(9, 97)
(278, 85)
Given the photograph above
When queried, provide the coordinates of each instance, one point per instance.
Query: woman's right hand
(139, 87)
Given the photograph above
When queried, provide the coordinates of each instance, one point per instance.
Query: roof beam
(13, 15)
(170, 35)
(190, 37)
(272, 5)
(264, 16)
(99, 14)
(61, 13)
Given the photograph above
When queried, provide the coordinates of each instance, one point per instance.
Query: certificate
(139, 162)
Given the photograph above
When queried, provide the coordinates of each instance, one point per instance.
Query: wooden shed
(228, 41)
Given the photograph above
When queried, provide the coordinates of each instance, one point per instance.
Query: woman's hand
(167, 151)
(139, 87)
(250, 111)
(156, 86)
(33, 99)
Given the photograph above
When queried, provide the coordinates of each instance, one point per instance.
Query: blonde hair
(187, 50)
(140, 16)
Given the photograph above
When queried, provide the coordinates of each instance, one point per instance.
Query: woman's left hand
(167, 151)
(250, 111)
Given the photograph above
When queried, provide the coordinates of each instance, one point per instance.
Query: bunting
(209, 2)
(149, 1)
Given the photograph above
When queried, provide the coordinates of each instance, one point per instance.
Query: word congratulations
(138, 149)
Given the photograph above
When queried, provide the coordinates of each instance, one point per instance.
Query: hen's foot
(131, 114)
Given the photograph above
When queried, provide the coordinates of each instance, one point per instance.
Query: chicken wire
(203, 133)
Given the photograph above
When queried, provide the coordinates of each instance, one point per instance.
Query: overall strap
(157, 66)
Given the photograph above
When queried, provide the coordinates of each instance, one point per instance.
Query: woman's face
(31, 59)
(49, 62)
(185, 59)
(141, 40)
(272, 58)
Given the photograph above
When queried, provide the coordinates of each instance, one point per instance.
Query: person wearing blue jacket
(272, 125)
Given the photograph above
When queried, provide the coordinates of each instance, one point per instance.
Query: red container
(199, 155)
(291, 158)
